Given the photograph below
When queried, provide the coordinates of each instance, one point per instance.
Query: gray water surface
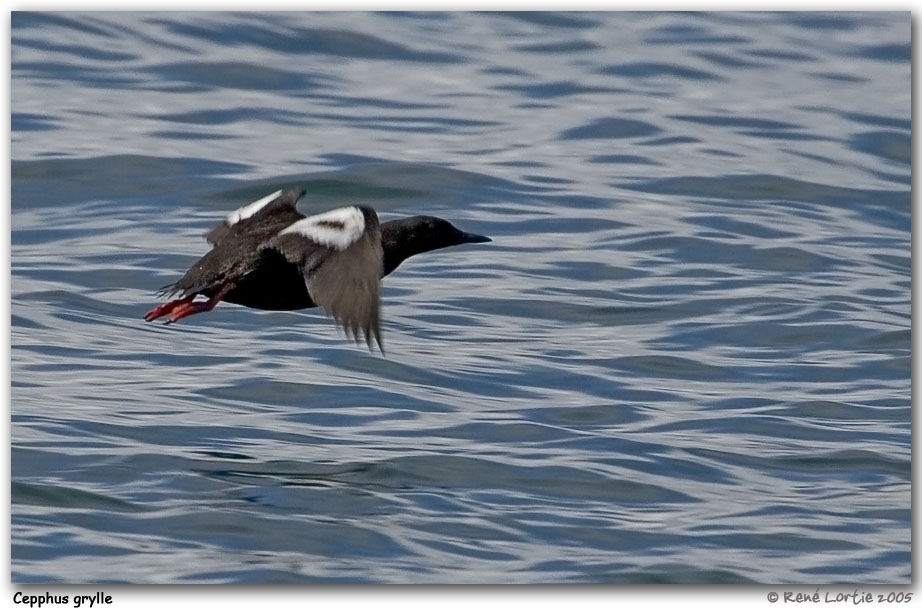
(685, 356)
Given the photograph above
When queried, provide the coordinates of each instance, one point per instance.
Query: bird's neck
(401, 239)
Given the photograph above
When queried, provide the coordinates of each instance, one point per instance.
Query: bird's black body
(274, 284)
(267, 255)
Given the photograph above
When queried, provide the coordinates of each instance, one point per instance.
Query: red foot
(166, 308)
(184, 307)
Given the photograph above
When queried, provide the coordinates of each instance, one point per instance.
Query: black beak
(472, 238)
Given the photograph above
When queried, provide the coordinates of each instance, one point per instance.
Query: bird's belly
(277, 288)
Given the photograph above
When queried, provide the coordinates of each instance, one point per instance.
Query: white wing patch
(248, 210)
(338, 228)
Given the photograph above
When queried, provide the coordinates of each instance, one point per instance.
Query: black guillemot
(267, 255)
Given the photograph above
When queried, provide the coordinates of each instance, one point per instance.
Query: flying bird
(267, 255)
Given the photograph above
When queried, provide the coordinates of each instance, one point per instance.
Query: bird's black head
(410, 236)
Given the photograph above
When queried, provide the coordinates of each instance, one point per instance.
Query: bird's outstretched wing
(340, 255)
(267, 215)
